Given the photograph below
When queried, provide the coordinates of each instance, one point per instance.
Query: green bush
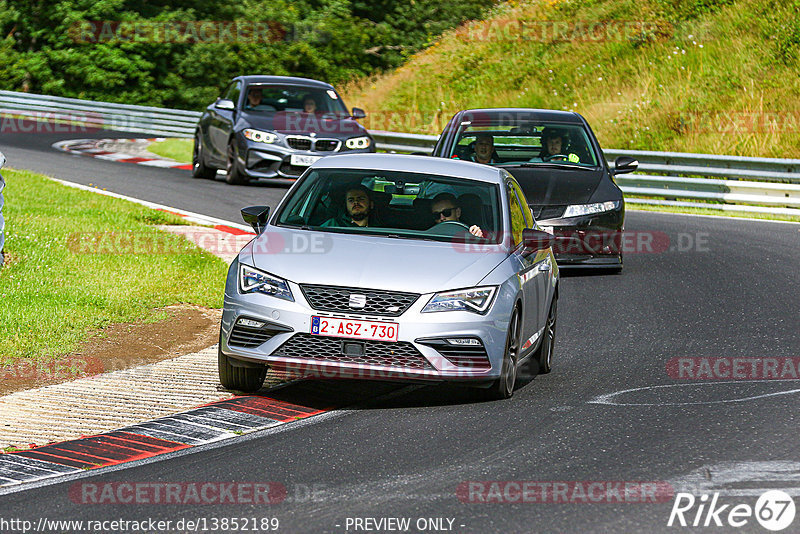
(52, 51)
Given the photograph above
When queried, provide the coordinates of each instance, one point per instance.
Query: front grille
(470, 356)
(543, 212)
(299, 143)
(331, 349)
(337, 299)
(250, 337)
(326, 145)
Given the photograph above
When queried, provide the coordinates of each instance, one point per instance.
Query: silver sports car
(397, 268)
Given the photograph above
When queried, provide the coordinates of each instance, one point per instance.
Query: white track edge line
(198, 216)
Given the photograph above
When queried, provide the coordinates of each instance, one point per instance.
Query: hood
(550, 186)
(323, 126)
(372, 262)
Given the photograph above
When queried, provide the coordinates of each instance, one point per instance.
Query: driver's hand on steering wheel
(476, 230)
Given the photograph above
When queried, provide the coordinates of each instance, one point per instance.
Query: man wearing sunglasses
(445, 208)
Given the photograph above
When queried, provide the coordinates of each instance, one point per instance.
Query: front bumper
(261, 160)
(289, 324)
(589, 241)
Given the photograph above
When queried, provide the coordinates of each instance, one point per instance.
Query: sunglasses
(446, 212)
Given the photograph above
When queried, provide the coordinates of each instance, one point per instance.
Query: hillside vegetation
(704, 76)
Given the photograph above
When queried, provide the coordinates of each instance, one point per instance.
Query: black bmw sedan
(274, 127)
(557, 160)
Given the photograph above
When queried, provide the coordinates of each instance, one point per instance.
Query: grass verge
(77, 261)
(179, 149)
(709, 211)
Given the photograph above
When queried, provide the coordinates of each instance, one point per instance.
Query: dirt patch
(186, 329)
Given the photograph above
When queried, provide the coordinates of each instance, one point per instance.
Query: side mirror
(358, 113)
(226, 104)
(624, 165)
(256, 216)
(533, 240)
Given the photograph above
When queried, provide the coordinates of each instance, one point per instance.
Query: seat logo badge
(357, 301)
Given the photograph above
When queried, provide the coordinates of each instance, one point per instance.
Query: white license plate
(353, 328)
(303, 161)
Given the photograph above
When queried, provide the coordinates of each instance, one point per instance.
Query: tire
(544, 354)
(246, 379)
(503, 387)
(199, 168)
(618, 270)
(234, 176)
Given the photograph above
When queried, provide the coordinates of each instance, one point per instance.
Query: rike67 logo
(774, 510)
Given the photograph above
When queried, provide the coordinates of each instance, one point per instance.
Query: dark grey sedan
(274, 127)
(557, 160)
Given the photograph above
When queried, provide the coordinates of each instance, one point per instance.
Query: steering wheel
(448, 228)
(552, 156)
(459, 223)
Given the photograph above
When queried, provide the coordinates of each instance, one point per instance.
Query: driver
(445, 208)
(358, 206)
(555, 144)
(484, 150)
(254, 97)
(309, 104)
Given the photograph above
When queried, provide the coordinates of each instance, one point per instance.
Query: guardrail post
(2, 220)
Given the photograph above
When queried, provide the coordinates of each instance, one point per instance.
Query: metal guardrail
(2, 220)
(727, 183)
(93, 116)
(736, 183)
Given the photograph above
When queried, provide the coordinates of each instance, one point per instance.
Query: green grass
(179, 149)
(694, 83)
(58, 284)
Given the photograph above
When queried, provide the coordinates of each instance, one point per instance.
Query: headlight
(260, 137)
(254, 281)
(358, 142)
(476, 300)
(577, 210)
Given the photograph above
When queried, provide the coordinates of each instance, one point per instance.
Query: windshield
(293, 98)
(521, 141)
(400, 204)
